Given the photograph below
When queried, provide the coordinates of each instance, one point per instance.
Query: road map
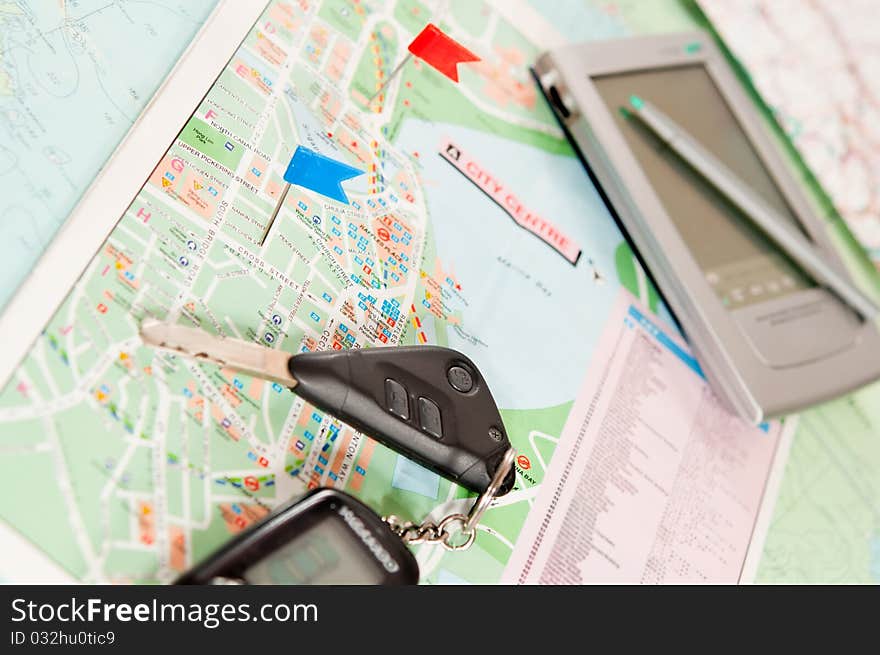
(141, 463)
(96, 63)
(836, 130)
(129, 465)
(826, 523)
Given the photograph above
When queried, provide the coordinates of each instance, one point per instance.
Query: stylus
(767, 219)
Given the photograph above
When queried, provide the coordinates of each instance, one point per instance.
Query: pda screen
(739, 262)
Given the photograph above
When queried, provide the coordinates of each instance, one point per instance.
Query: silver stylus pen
(791, 241)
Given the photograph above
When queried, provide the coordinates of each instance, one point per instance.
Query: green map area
(130, 465)
(135, 464)
(826, 524)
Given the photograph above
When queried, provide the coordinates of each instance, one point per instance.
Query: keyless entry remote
(327, 537)
(428, 403)
(431, 404)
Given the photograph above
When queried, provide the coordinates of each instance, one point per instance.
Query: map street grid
(144, 463)
(128, 465)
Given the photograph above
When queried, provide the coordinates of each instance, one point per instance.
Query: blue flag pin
(317, 173)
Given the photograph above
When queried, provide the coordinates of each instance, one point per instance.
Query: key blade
(243, 356)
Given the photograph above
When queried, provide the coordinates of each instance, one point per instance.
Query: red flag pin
(439, 51)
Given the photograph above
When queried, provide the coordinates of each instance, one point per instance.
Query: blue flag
(319, 173)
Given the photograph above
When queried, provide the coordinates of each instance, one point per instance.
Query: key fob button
(429, 417)
(396, 399)
(460, 379)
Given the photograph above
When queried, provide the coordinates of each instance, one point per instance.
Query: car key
(430, 404)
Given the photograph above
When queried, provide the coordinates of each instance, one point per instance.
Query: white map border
(773, 484)
(20, 555)
(125, 173)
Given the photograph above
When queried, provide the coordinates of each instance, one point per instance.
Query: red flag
(439, 51)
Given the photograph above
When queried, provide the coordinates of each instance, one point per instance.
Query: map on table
(128, 465)
(73, 78)
(131, 464)
(825, 94)
(826, 524)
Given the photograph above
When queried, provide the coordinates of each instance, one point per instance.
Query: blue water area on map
(410, 476)
(73, 78)
(533, 348)
(578, 21)
(445, 576)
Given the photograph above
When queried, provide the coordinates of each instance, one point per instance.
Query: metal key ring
(486, 498)
(446, 535)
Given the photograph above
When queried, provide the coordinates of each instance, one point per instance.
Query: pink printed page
(653, 480)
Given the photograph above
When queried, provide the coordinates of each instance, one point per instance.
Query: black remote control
(429, 403)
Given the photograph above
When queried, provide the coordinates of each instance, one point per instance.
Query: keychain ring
(486, 498)
(445, 534)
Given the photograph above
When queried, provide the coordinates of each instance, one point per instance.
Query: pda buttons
(460, 379)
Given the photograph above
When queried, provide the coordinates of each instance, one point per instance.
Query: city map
(96, 64)
(129, 465)
(141, 463)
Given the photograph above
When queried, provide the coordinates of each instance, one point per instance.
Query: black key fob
(429, 403)
(326, 537)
